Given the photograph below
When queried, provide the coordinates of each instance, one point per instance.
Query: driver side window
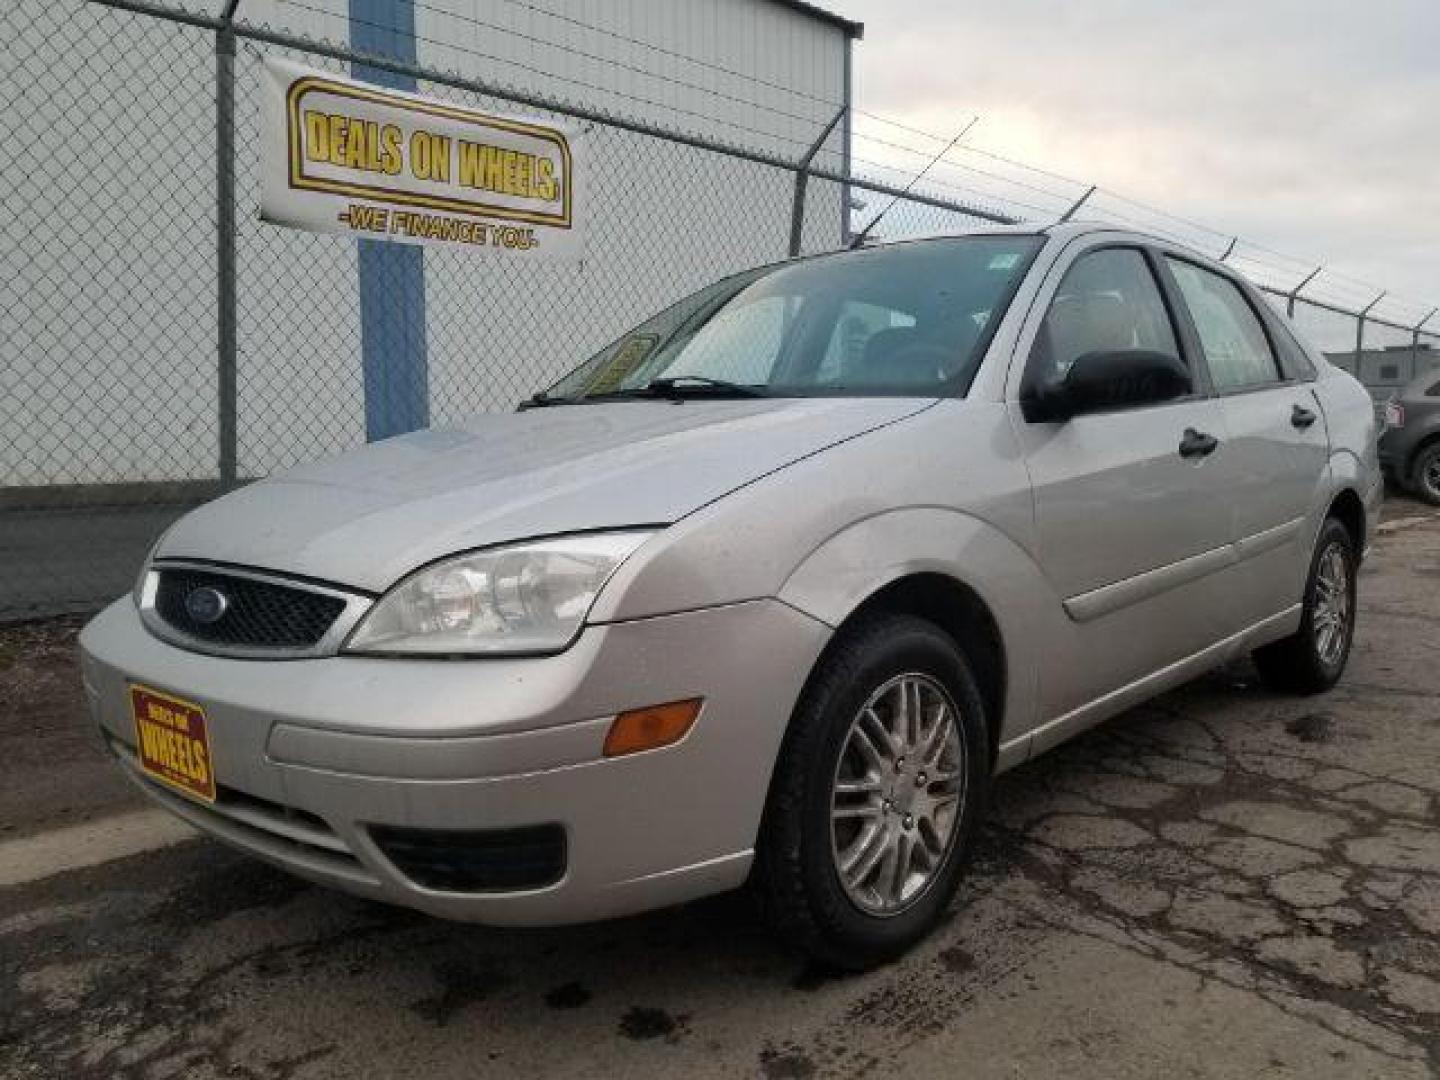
(1108, 301)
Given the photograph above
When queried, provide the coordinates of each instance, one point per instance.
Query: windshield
(910, 319)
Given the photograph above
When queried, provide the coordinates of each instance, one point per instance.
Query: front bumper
(309, 755)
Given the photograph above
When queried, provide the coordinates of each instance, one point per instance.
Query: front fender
(943, 491)
(854, 564)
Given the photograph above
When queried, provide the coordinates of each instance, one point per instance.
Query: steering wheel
(922, 356)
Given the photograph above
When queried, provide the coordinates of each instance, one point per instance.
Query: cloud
(1304, 125)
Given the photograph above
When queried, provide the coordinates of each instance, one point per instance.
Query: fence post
(225, 241)
(802, 178)
(1295, 292)
(1360, 335)
(1415, 343)
(845, 145)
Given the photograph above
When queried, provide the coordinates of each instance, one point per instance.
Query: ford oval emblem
(206, 605)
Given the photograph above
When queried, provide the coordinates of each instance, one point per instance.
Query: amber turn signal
(651, 728)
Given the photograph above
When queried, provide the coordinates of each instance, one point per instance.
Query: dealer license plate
(172, 743)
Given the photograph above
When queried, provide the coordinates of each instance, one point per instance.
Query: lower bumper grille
(491, 860)
(287, 834)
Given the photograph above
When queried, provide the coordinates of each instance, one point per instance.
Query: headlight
(526, 598)
(137, 591)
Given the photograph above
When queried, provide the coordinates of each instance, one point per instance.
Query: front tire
(877, 792)
(1313, 658)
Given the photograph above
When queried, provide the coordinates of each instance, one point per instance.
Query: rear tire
(877, 791)
(1425, 474)
(1310, 660)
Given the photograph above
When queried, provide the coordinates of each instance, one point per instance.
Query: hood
(367, 518)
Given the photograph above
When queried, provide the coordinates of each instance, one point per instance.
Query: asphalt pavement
(59, 560)
(1222, 883)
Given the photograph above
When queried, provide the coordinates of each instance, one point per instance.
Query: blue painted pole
(392, 276)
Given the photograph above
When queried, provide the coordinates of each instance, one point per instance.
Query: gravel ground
(52, 769)
(1221, 883)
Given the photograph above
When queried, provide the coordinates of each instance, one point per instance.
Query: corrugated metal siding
(783, 72)
(664, 219)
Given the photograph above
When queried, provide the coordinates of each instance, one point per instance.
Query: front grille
(491, 860)
(256, 614)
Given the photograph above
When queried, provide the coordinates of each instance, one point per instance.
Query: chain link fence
(151, 357)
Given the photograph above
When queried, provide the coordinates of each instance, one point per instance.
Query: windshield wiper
(674, 388)
(683, 386)
(539, 400)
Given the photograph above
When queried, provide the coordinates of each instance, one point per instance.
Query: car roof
(1064, 232)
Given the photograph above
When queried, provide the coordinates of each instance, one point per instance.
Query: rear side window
(1108, 301)
(1236, 349)
(1293, 358)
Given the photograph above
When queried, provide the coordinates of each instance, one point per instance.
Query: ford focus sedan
(768, 591)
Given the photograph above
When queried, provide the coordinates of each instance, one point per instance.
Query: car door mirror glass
(1108, 380)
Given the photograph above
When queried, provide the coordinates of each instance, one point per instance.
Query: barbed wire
(1065, 198)
(932, 184)
(691, 58)
(790, 141)
(1335, 285)
(1346, 288)
(609, 61)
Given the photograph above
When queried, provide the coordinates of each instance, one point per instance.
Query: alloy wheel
(1331, 617)
(898, 794)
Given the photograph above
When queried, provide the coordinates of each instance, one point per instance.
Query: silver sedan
(765, 592)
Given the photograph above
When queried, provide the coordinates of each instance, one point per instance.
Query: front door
(1132, 526)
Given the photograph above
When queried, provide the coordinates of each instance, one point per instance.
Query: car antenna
(865, 232)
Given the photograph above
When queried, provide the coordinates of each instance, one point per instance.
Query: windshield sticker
(629, 356)
(1005, 261)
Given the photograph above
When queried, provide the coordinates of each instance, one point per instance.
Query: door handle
(1197, 444)
(1301, 417)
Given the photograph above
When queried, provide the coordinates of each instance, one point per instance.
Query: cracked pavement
(1223, 882)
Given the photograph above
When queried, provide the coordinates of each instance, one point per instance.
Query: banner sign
(342, 156)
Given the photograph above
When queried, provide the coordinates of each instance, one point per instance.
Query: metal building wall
(789, 67)
(768, 76)
(755, 73)
(749, 72)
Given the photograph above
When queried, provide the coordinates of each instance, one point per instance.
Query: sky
(1306, 126)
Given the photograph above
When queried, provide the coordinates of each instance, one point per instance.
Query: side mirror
(1101, 381)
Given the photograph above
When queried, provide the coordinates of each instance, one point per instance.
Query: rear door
(1277, 451)
(1131, 524)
